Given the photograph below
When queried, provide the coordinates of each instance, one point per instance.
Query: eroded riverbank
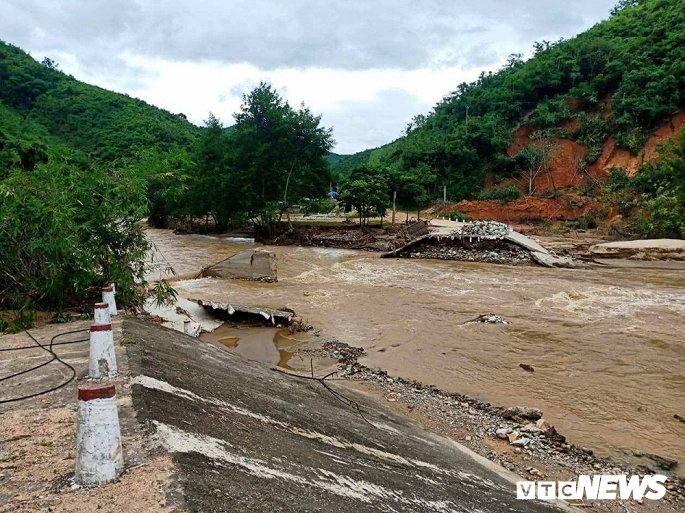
(606, 345)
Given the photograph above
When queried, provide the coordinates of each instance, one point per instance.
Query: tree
(281, 150)
(366, 189)
(534, 159)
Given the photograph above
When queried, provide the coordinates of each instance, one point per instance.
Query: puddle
(274, 346)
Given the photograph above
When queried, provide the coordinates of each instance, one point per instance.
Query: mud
(605, 344)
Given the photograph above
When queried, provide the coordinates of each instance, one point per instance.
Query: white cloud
(368, 67)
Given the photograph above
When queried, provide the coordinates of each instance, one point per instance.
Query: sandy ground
(37, 438)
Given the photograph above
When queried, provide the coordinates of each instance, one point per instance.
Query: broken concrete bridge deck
(247, 438)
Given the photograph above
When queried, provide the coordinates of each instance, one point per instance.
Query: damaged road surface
(246, 438)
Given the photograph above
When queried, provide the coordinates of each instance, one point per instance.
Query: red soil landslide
(528, 209)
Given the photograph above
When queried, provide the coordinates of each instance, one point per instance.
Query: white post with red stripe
(108, 297)
(101, 313)
(99, 457)
(102, 362)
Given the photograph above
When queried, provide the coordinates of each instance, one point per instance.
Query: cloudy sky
(367, 66)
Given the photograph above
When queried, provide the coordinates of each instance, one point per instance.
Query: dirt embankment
(529, 209)
(566, 173)
(344, 236)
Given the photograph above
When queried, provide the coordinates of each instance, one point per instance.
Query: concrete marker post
(108, 297)
(101, 313)
(99, 457)
(102, 362)
(187, 328)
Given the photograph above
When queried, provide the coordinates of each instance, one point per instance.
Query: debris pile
(483, 230)
(489, 319)
(442, 251)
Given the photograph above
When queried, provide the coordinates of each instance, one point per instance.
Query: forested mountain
(81, 166)
(571, 104)
(42, 107)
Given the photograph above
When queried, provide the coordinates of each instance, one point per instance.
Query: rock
(522, 412)
(502, 433)
(467, 438)
(483, 230)
(531, 428)
(512, 437)
(520, 442)
(543, 425)
(661, 461)
(679, 417)
(489, 319)
(526, 367)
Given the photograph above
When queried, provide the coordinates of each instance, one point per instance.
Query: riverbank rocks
(502, 433)
(251, 264)
(522, 412)
(653, 253)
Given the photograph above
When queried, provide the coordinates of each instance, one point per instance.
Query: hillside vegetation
(515, 131)
(42, 107)
(81, 166)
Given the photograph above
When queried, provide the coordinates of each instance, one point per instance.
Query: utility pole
(394, 203)
(444, 194)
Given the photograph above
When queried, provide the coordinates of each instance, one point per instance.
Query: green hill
(620, 79)
(41, 107)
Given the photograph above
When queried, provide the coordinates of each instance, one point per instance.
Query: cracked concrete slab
(249, 439)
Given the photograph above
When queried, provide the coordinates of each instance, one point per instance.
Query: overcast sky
(367, 66)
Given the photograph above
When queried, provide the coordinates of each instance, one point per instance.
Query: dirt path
(37, 436)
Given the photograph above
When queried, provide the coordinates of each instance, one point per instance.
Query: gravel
(480, 425)
(483, 229)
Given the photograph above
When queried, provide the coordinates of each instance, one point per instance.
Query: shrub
(550, 113)
(65, 231)
(454, 216)
(591, 133)
(503, 194)
(317, 206)
(618, 179)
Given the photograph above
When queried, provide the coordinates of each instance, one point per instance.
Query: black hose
(54, 357)
(55, 344)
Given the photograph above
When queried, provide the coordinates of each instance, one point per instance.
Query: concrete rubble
(483, 229)
(251, 264)
(235, 311)
(245, 438)
(479, 241)
(650, 253)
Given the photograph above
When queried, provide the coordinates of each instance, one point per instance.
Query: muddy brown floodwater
(607, 345)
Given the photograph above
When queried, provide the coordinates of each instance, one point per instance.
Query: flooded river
(607, 346)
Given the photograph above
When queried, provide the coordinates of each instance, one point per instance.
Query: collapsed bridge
(479, 241)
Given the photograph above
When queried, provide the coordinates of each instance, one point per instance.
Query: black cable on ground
(54, 357)
(5, 349)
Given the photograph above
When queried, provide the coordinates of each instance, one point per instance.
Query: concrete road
(246, 438)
